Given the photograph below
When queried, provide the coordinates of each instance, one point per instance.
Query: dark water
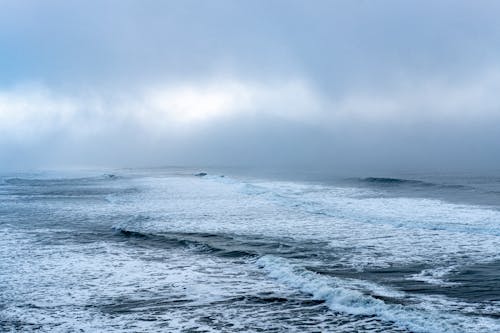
(166, 251)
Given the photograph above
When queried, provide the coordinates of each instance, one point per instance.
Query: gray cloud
(353, 85)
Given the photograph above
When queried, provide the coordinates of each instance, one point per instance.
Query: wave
(394, 182)
(382, 180)
(205, 242)
(217, 244)
(19, 181)
(68, 188)
(341, 295)
(230, 245)
(388, 182)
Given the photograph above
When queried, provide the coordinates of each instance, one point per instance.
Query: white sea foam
(435, 276)
(112, 287)
(343, 296)
(84, 287)
(379, 232)
(354, 226)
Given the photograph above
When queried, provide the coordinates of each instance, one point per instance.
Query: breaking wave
(341, 295)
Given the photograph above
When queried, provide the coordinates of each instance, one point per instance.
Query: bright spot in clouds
(30, 111)
(27, 113)
(197, 103)
(192, 103)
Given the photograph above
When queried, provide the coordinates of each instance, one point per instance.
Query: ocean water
(166, 251)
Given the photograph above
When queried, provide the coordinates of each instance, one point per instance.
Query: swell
(55, 188)
(401, 182)
(221, 244)
(203, 242)
(19, 181)
(383, 180)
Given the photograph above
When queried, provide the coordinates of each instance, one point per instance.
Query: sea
(225, 250)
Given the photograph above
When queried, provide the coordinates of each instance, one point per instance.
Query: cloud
(34, 110)
(207, 120)
(28, 112)
(161, 82)
(192, 103)
(427, 100)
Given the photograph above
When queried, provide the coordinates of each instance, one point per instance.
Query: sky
(358, 85)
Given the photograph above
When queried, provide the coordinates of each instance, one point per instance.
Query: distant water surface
(163, 250)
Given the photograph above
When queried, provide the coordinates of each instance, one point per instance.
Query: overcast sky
(338, 85)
